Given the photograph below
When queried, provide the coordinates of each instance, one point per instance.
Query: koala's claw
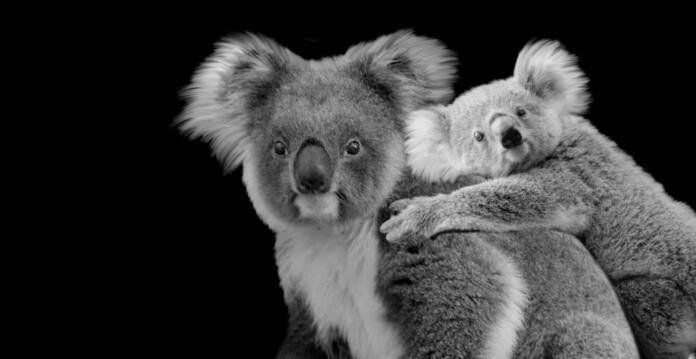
(396, 228)
(397, 206)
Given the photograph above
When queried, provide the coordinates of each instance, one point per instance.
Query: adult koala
(321, 143)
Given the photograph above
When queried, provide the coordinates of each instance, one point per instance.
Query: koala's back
(536, 294)
(636, 225)
(569, 295)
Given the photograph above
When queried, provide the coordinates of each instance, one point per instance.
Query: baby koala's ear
(411, 70)
(550, 72)
(239, 75)
(428, 144)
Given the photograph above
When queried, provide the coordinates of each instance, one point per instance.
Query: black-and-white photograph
(399, 187)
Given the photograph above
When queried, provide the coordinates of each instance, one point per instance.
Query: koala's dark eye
(353, 147)
(279, 148)
(520, 112)
(478, 136)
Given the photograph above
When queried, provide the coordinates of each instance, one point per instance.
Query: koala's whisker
(342, 202)
(341, 196)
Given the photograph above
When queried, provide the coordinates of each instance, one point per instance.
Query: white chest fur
(336, 271)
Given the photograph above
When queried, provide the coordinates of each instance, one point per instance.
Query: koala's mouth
(323, 207)
(518, 153)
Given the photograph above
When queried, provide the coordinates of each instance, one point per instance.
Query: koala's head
(504, 126)
(319, 141)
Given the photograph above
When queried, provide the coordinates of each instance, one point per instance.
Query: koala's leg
(448, 294)
(588, 335)
(300, 340)
(662, 317)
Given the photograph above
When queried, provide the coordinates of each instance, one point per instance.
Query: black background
(191, 269)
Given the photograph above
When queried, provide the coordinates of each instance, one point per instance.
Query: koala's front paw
(416, 215)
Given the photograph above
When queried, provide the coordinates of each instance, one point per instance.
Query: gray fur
(349, 292)
(300, 337)
(571, 304)
(566, 176)
(434, 283)
(443, 294)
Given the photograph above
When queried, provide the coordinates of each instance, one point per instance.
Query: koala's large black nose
(511, 138)
(313, 170)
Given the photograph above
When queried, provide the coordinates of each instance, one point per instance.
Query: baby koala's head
(502, 127)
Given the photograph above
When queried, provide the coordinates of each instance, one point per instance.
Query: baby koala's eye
(478, 136)
(353, 147)
(520, 112)
(279, 148)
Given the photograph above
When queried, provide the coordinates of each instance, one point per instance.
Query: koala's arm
(300, 340)
(539, 199)
(542, 198)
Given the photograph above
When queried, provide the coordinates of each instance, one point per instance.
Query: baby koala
(547, 167)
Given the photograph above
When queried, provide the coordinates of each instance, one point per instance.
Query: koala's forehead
(479, 101)
(326, 101)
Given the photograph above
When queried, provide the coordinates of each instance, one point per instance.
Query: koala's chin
(514, 159)
(319, 207)
(518, 154)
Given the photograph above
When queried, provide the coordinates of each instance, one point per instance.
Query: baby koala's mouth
(515, 145)
(518, 153)
(322, 206)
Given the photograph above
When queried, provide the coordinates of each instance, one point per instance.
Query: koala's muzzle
(313, 170)
(504, 127)
(511, 138)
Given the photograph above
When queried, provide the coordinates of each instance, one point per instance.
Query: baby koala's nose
(511, 138)
(313, 170)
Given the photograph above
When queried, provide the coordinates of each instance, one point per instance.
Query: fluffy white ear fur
(424, 68)
(428, 147)
(217, 109)
(550, 72)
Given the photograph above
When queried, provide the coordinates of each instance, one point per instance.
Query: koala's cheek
(380, 176)
(274, 185)
(348, 189)
(480, 161)
(354, 186)
(545, 134)
(540, 145)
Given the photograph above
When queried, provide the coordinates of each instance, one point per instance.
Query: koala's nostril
(511, 138)
(312, 184)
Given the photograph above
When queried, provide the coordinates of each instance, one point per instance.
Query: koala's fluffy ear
(548, 71)
(238, 76)
(428, 144)
(411, 70)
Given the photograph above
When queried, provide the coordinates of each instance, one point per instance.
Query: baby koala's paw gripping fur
(429, 216)
(417, 215)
